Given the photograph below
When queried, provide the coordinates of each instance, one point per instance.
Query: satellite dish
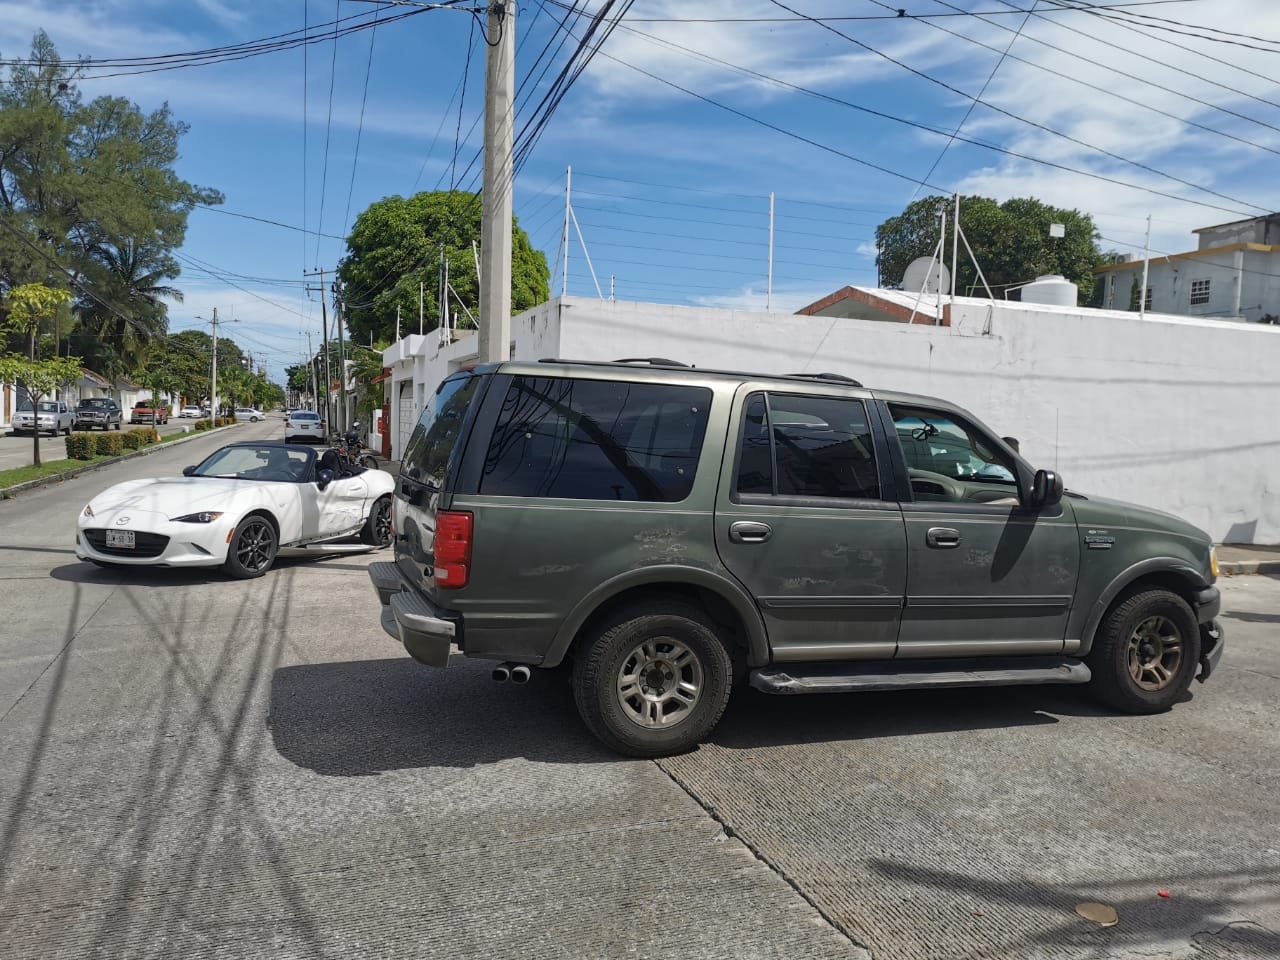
(926, 274)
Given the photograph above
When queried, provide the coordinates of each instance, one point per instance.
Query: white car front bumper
(158, 541)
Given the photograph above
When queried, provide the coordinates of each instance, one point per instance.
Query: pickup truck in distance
(149, 411)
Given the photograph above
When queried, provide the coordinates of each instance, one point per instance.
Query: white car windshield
(248, 461)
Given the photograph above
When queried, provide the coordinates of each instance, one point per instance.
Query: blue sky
(1165, 109)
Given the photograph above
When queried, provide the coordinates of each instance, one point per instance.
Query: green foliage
(40, 378)
(108, 444)
(395, 246)
(81, 446)
(91, 193)
(30, 306)
(1010, 240)
(141, 437)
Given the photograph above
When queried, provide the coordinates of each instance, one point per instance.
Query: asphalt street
(198, 767)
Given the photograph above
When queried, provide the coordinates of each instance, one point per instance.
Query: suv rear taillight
(452, 548)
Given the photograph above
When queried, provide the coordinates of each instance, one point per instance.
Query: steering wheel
(951, 490)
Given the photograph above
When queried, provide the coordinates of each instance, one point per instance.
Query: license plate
(122, 539)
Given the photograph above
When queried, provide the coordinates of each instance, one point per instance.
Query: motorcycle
(351, 450)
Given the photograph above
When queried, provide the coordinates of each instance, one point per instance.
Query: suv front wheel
(654, 680)
(1145, 652)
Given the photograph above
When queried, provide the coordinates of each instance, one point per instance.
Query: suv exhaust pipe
(520, 673)
(501, 674)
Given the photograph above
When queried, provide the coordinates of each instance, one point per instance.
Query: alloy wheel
(1154, 653)
(255, 547)
(382, 522)
(659, 683)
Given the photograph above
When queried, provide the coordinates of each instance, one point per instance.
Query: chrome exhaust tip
(501, 674)
(520, 673)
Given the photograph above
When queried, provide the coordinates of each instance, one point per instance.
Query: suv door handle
(944, 538)
(749, 531)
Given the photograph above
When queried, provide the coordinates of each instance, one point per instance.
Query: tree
(396, 245)
(39, 378)
(366, 367)
(88, 192)
(129, 278)
(1010, 240)
(31, 306)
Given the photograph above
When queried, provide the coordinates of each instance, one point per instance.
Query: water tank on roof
(1052, 288)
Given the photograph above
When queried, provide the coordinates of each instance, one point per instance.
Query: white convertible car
(243, 506)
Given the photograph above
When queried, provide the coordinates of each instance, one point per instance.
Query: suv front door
(986, 576)
(801, 523)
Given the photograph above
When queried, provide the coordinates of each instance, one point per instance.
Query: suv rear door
(807, 521)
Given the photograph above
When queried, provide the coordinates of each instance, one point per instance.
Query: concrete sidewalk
(1234, 559)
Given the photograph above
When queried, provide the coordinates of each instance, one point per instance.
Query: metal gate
(408, 416)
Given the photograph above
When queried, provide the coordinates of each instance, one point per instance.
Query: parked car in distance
(667, 531)
(149, 411)
(98, 413)
(190, 412)
(249, 414)
(49, 416)
(303, 425)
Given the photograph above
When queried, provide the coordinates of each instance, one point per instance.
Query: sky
(686, 120)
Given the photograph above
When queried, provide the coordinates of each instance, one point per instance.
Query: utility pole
(213, 380)
(495, 229)
(768, 295)
(564, 276)
(340, 320)
(311, 369)
(1146, 262)
(324, 346)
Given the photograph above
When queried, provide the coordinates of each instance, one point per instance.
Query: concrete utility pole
(1146, 262)
(495, 228)
(213, 380)
(324, 347)
(340, 322)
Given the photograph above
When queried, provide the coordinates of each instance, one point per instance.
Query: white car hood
(172, 496)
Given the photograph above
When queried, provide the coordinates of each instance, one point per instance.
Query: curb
(1235, 568)
(10, 493)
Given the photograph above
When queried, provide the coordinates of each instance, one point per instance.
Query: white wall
(1171, 412)
(1174, 413)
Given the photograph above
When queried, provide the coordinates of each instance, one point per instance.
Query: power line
(328, 126)
(364, 99)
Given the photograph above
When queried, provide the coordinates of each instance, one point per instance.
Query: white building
(1171, 412)
(1234, 274)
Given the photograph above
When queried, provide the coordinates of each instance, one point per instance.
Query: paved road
(198, 767)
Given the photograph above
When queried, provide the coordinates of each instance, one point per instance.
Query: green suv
(670, 532)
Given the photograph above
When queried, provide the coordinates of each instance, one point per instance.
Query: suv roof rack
(656, 361)
(837, 377)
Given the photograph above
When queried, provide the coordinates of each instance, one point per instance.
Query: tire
(1145, 652)
(657, 644)
(377, 527)
(369, 462)
(253, 547)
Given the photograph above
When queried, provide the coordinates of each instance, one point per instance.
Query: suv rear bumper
(426, 632)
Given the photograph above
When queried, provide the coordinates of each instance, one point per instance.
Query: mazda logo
(121, 521)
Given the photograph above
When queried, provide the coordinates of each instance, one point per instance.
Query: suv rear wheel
(1145, 652)
(654, 680)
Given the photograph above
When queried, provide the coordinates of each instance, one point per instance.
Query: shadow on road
(360, 718)
(82, 571)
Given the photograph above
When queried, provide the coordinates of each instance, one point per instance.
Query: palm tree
(130, 279)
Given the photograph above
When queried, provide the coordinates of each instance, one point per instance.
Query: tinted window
(806, 447)
(437, 430)
(304, 416)
(596, 440)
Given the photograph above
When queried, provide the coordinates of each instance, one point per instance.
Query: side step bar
(855, 676)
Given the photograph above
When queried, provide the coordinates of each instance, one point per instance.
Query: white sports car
(240, 508)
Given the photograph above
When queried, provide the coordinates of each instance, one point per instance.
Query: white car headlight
(204, 516)
(88, 510)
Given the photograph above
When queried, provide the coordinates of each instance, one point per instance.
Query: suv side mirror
(1046, 489)
(188, 471)
(324, 479)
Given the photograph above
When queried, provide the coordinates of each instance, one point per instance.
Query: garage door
(408, 417)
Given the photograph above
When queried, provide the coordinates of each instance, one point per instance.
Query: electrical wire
(364, 99)
(328, 127)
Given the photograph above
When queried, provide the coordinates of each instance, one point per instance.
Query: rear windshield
(433, 439)
(304, 416)
(597, 440)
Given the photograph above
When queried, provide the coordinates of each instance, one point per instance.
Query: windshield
(47, 407)
(95, 403)
(257, 462)
(305, 416)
